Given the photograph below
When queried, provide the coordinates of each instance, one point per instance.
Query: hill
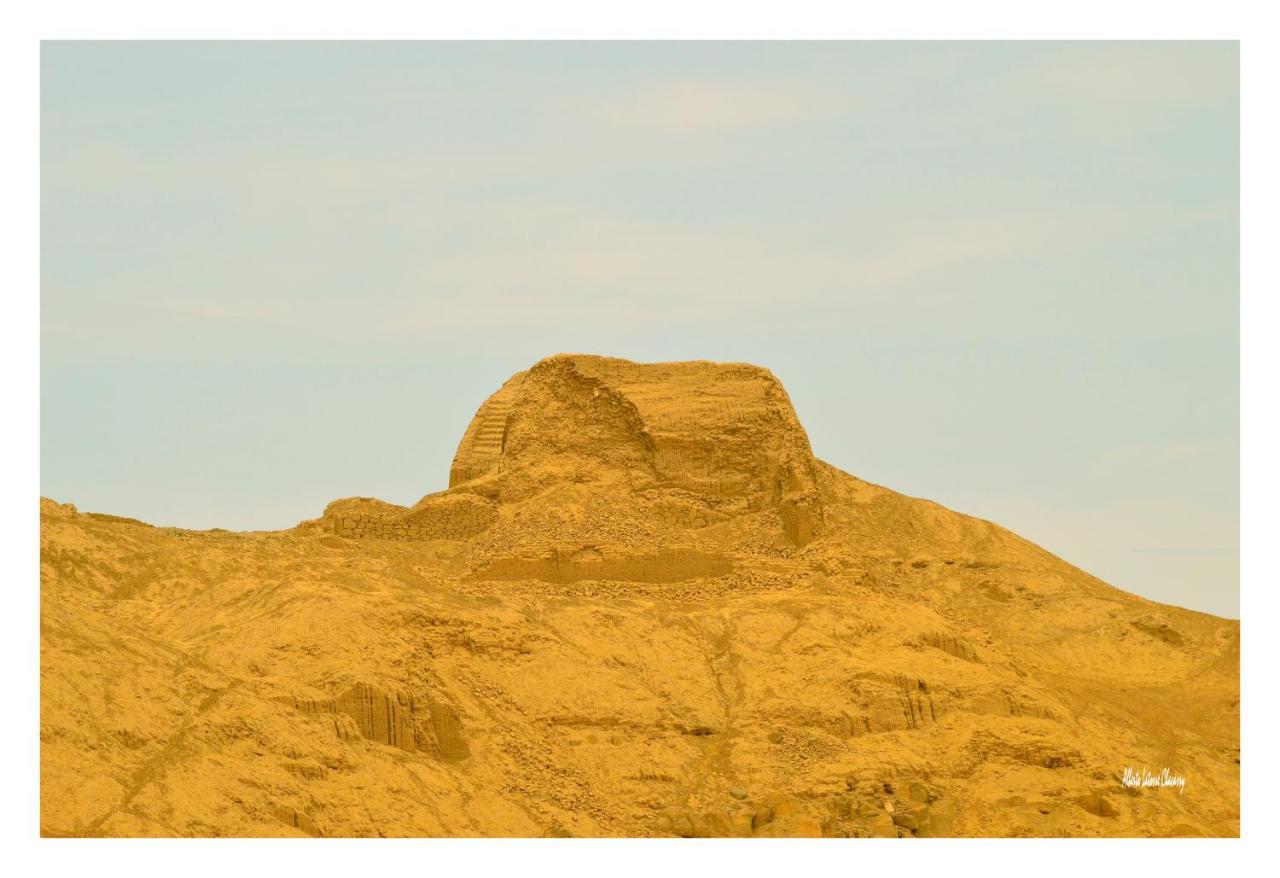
(642, 607)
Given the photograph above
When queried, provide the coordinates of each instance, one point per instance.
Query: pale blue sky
(1001, 276)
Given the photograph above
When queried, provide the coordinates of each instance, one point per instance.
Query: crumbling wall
(435, 517)
(573, 564)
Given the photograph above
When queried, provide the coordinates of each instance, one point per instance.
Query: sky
(1002, 276)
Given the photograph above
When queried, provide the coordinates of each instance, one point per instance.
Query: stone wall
(435, 517)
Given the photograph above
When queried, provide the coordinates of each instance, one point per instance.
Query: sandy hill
(642, 607)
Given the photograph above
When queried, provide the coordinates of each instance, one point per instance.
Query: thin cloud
(1143, 76)
(708, 107)
(240, 312)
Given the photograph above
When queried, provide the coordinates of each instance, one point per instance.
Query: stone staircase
(481, 448)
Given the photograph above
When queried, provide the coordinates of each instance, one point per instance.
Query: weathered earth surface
(642, 608)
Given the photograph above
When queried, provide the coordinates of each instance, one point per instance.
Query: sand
(641, 608)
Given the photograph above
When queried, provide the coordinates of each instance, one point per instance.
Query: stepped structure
(480, 450)
(689, 443)
(640, 607)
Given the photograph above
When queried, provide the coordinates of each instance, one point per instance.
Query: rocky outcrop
(394, 720)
